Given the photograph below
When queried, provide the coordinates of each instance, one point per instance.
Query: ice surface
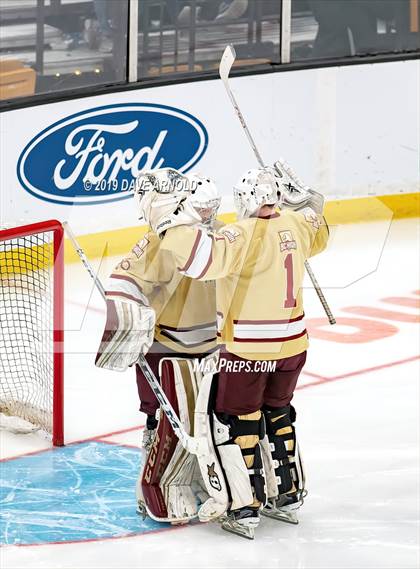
(78, 492)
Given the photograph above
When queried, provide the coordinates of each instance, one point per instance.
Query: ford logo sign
(95, 156)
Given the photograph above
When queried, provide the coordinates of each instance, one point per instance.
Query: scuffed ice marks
(74, 493)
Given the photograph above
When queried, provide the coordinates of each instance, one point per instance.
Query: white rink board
(348, 131)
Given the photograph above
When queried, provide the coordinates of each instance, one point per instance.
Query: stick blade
(228, 58)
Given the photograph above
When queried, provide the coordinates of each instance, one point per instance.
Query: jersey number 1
(290, 301)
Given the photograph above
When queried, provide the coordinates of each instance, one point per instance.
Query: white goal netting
(26, 331)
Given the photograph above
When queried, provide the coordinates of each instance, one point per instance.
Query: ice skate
(147, 439)
(141, 510)
(149, 433)
(242, 522)
(284, 508)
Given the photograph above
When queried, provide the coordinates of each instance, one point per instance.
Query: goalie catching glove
(129, 331)
(294, 194)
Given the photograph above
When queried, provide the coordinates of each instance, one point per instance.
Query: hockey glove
(294, 194)
(129, 332)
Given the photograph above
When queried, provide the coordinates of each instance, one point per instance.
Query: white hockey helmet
(204, 197)
(257, 187)
(162, 181)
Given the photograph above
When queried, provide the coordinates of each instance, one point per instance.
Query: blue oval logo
(95, 156)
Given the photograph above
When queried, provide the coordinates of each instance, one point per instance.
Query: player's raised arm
(176, 217)
(203, 256)
(305, 204)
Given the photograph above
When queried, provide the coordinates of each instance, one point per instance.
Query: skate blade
(141, 510)
(242, 531)
(287, 517)
(179, 522)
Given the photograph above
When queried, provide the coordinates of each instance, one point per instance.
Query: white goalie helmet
(257, 187)
(162, 181)
(204, 197)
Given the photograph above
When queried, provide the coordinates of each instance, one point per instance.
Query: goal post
(32, 325)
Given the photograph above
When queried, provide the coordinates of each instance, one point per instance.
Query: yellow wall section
(374, 208)
(354, 210)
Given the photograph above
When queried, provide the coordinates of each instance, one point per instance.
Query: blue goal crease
(75, 493)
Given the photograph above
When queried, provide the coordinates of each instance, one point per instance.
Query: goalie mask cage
(31, 325)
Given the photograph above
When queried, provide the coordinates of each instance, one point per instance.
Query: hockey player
(258, 264)
(184, 309)
(155, 310)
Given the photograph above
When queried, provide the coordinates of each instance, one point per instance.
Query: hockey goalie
(155, 310)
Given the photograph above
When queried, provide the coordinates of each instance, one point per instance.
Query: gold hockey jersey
(258, 264)
(185, 308)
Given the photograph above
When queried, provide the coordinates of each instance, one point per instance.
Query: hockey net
(31, 328)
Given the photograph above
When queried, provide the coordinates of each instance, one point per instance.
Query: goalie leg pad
(237, 440)
(168, 473)
(211, 470)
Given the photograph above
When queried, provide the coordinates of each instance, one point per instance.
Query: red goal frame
(57, 230)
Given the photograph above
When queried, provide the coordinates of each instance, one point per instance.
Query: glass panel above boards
(50, 46)
(332, 29)
(189, 36)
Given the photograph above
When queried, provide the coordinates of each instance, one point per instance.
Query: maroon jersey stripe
(193, 252)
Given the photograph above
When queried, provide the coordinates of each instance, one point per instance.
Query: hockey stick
(228, 59)
(193, 445)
